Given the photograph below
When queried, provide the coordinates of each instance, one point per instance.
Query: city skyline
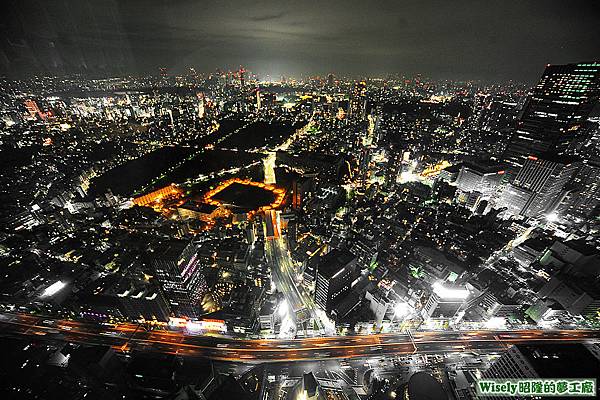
(315, 201)
(495, 41)
(260, 226)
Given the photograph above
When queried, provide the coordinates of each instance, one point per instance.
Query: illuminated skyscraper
(178, 269)
(394, 167)
(363, 165)
(554, 112)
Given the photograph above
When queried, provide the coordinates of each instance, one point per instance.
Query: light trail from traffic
(130, 337)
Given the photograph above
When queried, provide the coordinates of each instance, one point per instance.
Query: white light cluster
(446, 293)
(54, 288)
(401, 309)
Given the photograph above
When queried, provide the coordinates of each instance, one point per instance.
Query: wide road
(283, 275)
(278, 256)
(282, 271)
(129, 337)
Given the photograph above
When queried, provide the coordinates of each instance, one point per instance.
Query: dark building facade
(335, 274)
(565, 360)
(143, 301)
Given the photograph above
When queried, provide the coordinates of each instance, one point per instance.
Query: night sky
(490, 40)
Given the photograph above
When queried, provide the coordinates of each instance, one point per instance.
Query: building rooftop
(565, 360)
(485, 166)
(334, 261)
(557, 158)
(170, 250)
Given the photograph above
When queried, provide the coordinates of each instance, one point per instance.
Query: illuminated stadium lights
(54, 288)
(446, 293)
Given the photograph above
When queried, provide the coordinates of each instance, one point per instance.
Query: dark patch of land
(245, 197)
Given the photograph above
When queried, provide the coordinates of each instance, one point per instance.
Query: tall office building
(178, 269)
(554, 112)
(366, 250)
(539, 186)
(513, 199)
(335, 274)
(242, 75)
